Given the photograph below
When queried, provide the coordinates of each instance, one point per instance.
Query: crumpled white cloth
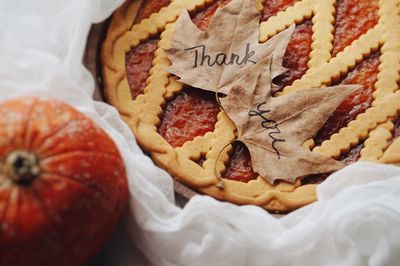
(355, 222)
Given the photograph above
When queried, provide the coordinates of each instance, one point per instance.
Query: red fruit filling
(272, 7)
(190, 114)
(365, 74)
(353, 19)
(139, 61)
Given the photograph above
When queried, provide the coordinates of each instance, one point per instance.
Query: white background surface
(355, 222)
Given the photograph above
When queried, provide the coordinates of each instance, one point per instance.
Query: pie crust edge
(180, 161)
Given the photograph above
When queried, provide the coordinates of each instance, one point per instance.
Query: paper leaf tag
(274, 128)
(213, 59)
(228, 59)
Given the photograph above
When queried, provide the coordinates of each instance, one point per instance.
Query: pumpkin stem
(22, 167)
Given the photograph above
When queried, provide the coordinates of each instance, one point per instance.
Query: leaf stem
(220, 184)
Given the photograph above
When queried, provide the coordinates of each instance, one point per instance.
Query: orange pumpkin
(62, 184)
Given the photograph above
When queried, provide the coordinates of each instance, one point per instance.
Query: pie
(185, 131)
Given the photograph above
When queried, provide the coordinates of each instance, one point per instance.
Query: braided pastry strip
(388, 77)
(323, 33)
(377, 142)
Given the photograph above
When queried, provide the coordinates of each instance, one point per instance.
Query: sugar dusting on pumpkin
(63, 185)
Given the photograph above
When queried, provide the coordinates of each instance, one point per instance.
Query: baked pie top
(335, 42)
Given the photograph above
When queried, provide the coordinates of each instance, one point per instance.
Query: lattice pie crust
(143, 114)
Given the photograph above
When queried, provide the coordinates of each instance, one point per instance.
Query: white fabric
(355, 222)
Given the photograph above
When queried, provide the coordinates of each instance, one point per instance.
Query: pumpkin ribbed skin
(67, 207)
